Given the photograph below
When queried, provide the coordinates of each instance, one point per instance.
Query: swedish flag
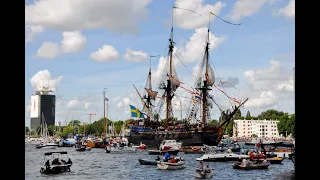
(135, 112)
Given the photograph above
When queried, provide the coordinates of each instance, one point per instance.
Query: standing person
(166, 157)
(200, 166)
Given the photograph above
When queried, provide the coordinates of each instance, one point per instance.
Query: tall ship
(194, 130)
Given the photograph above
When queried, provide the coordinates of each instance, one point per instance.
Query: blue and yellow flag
(135, 112)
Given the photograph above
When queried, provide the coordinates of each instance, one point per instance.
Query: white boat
(222, 157)
(117, 149)
(170, 144)
(170, 166)
(212, 155)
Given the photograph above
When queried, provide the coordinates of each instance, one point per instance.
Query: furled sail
(210, 77)
(175, 83)
(151, 93)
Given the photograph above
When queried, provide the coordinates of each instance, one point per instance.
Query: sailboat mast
(168, 89)
(104, 113)
(205, 86)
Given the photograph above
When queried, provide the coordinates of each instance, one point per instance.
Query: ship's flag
(106, 99)
(135, 112)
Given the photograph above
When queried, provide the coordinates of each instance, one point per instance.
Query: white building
(262, 128)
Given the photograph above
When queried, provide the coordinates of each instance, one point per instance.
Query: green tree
(248, 116)
(229, 129)
(214, 123)
(51, 129)
(27, 130)
(74, 123)
(271, 114)
(286, 124)
(118, 126)
(237, 115)
(66, 131)
(254, 135)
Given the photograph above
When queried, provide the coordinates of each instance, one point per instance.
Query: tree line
(285, 126)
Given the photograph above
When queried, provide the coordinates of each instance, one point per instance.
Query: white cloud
(189, 20)
(69, 15)
(31, 31)
(244, 8)
(49, 50)
(194, 47)
(286, 86)
(265, 79)
(73, 41)
(116, 99)
(289, 10)
(87, 105)
(266, 99)
(44, 78)
(73, 104)
(271, 84)
(135, 56)
(105, 53)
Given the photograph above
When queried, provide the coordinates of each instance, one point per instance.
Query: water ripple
(96, 164)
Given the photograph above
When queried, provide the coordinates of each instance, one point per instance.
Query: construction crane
(78, 113)
(90, 115)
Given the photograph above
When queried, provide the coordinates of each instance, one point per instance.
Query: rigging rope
(223, 19)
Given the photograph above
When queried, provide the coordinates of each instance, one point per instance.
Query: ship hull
(187, 139)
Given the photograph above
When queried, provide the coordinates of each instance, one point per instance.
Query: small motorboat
(56, 165)
(154, 162)
(118, 150)
(203, 174)
(222, 157)
(249, 165)
(48, 145)
(170, 166)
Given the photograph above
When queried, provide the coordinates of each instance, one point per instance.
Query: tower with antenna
(43, 105)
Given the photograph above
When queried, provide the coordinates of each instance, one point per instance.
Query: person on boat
(55, 161)
(166, 157)
(158, 158)
(207, 169)
(200, 166)
(244, 163)
(47, 164)
(69, 161)
(173, 160)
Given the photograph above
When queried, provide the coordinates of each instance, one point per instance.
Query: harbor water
(98, 165)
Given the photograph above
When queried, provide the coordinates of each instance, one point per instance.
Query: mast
(205, 88)
(104, 113)
(168, 88)
(180, 111)
(148, 98)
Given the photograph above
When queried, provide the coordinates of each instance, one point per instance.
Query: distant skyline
(80, 47)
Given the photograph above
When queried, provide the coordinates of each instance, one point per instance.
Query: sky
(78, 48)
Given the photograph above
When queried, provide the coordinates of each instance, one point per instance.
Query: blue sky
(61, 36)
